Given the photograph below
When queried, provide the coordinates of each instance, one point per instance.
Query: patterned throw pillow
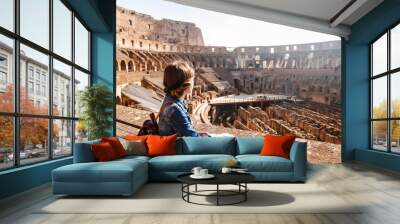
(134, 147)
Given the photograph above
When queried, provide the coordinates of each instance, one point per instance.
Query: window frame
(388, 74)
(16, 113)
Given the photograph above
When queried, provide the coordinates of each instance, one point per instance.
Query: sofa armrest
(298, 155)
(83, 152)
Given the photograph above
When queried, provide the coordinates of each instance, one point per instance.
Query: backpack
(150, 126)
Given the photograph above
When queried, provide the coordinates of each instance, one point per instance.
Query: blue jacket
(174, 118)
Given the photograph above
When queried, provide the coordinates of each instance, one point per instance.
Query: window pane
(62, 29)
(81, 45)
(379, 135)
(33, 139)
(34, 72)
(395, 136)
(379, 97)
(7, 14)
(6, 74)
(62, 89)
(395, 47)
(62, 138)
(81, 81)
(395, 94)
(379, 55)
(81, 132)
(6, 142)
(35, 21)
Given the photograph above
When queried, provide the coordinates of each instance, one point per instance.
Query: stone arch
(123, 66)
(117, 66)
(149, 65)
(131, 67)
(119, 101)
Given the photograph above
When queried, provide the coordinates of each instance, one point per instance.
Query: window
(130, 22)
(123, 41)
(34, 21)
(62, 29)
(385, 94)
(39, 61)
(30, 73)
(81, 45)
(62, 74)
(7, 14)
(30, 87)
(46, 74)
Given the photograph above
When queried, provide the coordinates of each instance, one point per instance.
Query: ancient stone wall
(322, 85)
(142, 32)
(289, 118)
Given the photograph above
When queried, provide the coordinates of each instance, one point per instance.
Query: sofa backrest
(249, 144)
(206, 145)
(83, 152)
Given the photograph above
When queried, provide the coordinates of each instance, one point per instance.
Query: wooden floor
(379, 189)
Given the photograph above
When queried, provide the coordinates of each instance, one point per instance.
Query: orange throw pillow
(277, 145)
(116, 145)
(136, 137)
(103, 152)
(161, 145)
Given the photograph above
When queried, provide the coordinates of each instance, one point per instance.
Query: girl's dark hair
(176, 76)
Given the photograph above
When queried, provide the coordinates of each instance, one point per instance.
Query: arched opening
(123, 65)
(130, 66)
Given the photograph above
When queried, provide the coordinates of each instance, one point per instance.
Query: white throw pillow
(134, 147)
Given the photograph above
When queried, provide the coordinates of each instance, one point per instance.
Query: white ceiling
(315, 15)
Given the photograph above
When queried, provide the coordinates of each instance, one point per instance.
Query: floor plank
(353, 182)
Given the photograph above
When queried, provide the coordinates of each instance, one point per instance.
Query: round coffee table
(238, 179)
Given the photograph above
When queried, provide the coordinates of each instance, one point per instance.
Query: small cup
(226, 170)
(196, 171)
(203, 172)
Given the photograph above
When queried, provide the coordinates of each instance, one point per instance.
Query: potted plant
(96, 103)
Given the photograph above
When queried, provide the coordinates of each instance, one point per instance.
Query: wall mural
(252, 90)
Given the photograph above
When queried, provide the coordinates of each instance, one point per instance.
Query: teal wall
(355, 75)
(99, 16)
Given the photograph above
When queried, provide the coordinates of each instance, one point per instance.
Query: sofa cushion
(118, 171)
(103, 152)
(185, 163)
(249, 144)
(257, 163)
(116, 145)
(134, 147)
(206, 145)
(275, 145)
(161, 145)
(83, 152)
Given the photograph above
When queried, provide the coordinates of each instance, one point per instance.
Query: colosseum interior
(249, 90)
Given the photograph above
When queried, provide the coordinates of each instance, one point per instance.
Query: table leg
(245, 193)
(217, 194)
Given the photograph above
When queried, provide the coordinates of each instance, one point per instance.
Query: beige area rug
(166, 198)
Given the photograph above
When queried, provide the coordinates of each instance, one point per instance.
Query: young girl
(174, 118)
